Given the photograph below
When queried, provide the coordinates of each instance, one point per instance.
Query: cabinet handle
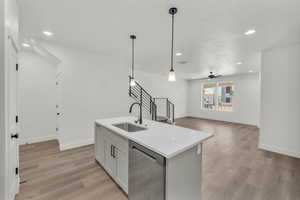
(16, 136)
(111, 151)
(114, 152)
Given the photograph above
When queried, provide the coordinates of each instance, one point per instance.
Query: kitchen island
(151, 161)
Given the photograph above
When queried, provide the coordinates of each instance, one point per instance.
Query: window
(218, 96)
(209, 96)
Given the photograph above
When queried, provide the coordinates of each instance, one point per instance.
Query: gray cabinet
(122, 168)
(110, 161)
(111, 151)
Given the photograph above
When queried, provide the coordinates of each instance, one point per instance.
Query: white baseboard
(180, 116)
(75, 144)
(279, 150)
(38, 139)
(224, 120)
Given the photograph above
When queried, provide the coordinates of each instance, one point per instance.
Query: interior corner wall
(93, 86)
(280, 107)
(159, 86)
(246, 100)
(38, 96)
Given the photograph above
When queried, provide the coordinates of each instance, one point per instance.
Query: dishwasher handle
(152, 155)
(143, 152)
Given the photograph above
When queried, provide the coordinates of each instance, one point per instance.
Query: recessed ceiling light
(250, 32)
(25, 45)
(250, 71)
(47, 33)
(239, 63)
(182, 62)
(178, 54)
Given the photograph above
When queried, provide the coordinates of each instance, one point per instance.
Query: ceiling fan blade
(203, 78)
(218, 76)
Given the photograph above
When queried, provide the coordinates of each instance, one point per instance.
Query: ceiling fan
(211, 76)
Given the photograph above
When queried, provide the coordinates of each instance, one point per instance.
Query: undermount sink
(129, 127)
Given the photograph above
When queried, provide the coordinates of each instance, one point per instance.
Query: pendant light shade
(132, 81)
(172, 76)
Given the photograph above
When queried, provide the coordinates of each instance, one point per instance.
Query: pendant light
(172, 76)
(132, 81)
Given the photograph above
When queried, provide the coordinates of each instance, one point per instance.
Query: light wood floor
(234, 169)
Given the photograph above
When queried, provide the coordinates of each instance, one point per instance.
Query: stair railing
(139, 94)
(170, 108)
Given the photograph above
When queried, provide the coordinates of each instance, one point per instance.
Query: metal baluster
(150, 105)
(129, 86)
(141, 97)
(167, 107)
(173, 113)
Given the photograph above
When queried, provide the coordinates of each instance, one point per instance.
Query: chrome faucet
(140, 119)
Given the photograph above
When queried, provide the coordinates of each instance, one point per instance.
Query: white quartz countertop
(164, 139)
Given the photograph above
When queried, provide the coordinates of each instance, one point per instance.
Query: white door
(13, 148)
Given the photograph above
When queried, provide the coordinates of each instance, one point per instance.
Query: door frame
(7, 133)
(3, 123)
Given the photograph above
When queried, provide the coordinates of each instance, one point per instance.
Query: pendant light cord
(172, 48)
(132, 67)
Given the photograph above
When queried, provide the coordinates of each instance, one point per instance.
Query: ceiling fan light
(172, 76)
(25, 44)
(132, 82)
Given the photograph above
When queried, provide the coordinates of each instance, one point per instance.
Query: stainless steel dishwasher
(147, 174)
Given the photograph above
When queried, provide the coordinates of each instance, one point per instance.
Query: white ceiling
(209, 33)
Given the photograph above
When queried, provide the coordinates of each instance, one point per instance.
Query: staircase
(160, 109)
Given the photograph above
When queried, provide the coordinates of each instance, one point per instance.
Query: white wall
(93, 86)
(159, 86)
(37, 98)
(280, 102)
(245, 101)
